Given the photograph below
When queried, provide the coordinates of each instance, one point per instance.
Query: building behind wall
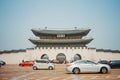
(61, 42)
(60, 45)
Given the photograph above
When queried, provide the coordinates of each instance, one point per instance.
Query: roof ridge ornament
(45, 27)
(75, 28)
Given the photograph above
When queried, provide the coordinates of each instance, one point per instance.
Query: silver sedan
(87, 66)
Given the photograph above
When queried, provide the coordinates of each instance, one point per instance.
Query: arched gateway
(77, 57)
(44, 56)
(61, 57)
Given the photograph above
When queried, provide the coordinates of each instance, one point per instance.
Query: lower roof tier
(59, 41)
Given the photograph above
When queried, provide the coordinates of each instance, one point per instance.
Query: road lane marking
(54, 78)
(107, 77)
(22, 76)
(118, 76)
(82, 77)
(75, 77)
(94, 77)
(43, 78)
(67, 78)
(4, 78)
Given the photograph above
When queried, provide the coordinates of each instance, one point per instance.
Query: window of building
(42, 47)
(66, 47)
(58, 47)
(60, 35)
(62, 47)
(74, 47)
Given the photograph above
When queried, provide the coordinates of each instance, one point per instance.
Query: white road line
(82, 77)
(54, 78)
(31, 78)
(22, 76)
(107, 77)
(94, 77)
(118, 76)
(4, 78)
(67, 78)
(75, 77)
(43, 78)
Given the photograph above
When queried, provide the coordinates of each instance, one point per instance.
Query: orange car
(26, 63)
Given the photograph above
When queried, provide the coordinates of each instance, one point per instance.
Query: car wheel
(34, 68)
(76, 70)
(104, 70)
(50, 68)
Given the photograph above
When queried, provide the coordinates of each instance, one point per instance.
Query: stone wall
(36, 53)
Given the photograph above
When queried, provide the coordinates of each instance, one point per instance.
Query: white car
(43, 64)
(87, 66)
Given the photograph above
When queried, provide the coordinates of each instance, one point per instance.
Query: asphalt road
(15, 72)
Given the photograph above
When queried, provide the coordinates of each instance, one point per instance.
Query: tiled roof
(50, 32)
(108, 50)
(13, 51)
(84, 41)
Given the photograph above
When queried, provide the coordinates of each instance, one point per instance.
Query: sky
(18, 17)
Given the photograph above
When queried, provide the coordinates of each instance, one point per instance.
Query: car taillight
(68, 64)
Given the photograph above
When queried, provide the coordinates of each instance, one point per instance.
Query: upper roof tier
(38, 31)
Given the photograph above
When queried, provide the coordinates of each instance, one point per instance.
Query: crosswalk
(27, 73)
(37, 76)
(115, 77)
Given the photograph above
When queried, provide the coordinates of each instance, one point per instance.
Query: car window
(116, 61)
(37, 61)
(44, 61)
(80, 62)
(41, 61)
(104, 62)
(90, 62)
